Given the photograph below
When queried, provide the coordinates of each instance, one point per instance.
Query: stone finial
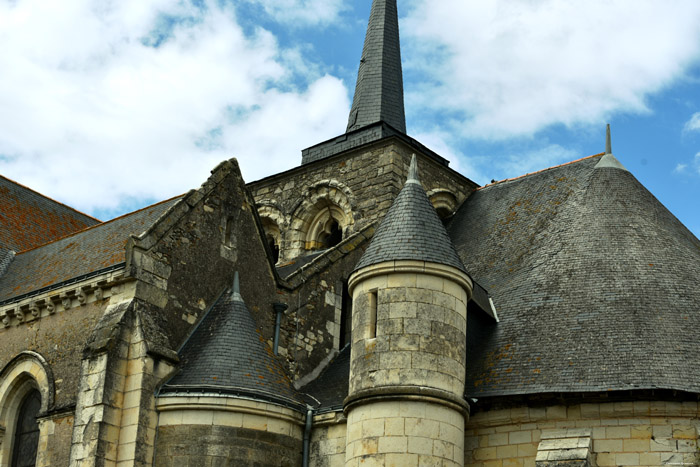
(236, 292)
(608, 141)
(413, 171)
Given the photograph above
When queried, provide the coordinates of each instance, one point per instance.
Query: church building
(369, 307)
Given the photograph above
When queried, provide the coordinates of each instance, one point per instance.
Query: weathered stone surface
(230, 446)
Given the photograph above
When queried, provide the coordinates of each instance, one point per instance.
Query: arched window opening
(228, 233)
(27, 431)
(445, 214)
(331, 235)
(274, 247)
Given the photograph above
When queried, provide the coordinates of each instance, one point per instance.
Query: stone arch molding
(27, 371)
(273, 223)
(322, 203)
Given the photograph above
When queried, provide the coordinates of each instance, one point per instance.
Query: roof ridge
(49, 198)
(539, 171)
(100, 224)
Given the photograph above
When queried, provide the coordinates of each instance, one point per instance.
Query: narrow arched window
(27, 431)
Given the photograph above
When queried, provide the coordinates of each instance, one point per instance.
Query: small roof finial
(413, 171)
(236, 292)
(608, 141)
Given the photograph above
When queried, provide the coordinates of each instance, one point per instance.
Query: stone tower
(410, 291)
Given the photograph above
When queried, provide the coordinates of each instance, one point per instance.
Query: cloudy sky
(110, 105)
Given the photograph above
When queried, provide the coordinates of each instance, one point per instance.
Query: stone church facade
(371, 306)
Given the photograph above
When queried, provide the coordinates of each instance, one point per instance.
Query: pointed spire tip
(413, 170)
(236, 292)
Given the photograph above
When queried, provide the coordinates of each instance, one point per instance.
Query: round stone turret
(410, 291)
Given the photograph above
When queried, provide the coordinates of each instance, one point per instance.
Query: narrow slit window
(373, 314)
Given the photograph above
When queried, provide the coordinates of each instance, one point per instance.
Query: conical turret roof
(411, 230)
(379, 90)
(227, 354)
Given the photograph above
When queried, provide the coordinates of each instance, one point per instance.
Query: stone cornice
(94, 289)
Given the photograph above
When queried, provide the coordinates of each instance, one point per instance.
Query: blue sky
(111, 105)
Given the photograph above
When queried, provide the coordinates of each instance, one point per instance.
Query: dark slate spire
(226, 354)
(608, 140)
(379, 89)
(411, 230)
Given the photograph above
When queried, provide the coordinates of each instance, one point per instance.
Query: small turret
(410, 292)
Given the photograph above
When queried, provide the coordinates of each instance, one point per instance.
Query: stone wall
(310, 332)
(362, 182)
(213, 431)
(328, 441)
(421, 322)
(641, 433)
(405, 433)
(55, 440)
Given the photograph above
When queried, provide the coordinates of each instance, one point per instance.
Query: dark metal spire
(608, 141)
(379, 89)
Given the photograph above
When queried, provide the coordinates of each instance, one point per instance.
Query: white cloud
(693, 124)
(95, 117)
(514, 68)
(680, 168)
(302, 12)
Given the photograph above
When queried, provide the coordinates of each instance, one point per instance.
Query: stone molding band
(412, 266)
(406, 393)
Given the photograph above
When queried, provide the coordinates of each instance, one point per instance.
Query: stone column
(405, 405)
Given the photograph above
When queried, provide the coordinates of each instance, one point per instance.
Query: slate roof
(88, 251)
(411, 230)
(227, 353)
(379, 89)
(330, 389)
(29, 219)
(594, 280)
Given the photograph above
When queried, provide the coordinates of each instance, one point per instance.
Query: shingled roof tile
(78, 254)
(29, 219)
(227, 354)
(411, 230)
(595, 282)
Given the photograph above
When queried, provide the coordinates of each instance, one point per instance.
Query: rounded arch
(274, 226)
(323, 217)
(25, 373)
(444, 202)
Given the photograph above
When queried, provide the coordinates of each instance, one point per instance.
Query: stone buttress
(407, 366)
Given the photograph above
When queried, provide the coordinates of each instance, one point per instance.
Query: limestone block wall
(55, 439)
(328, 441)
(421, 322)
(405, 433)
(212, 430)
(641, 433)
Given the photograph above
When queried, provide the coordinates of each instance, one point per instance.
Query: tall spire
(608, 141)
(379, 89)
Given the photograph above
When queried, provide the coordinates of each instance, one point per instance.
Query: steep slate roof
(379, 89)
(594, 280)
(82, 253)
(29, 219)
(228, 354)
(331, 387)
(411, 230)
